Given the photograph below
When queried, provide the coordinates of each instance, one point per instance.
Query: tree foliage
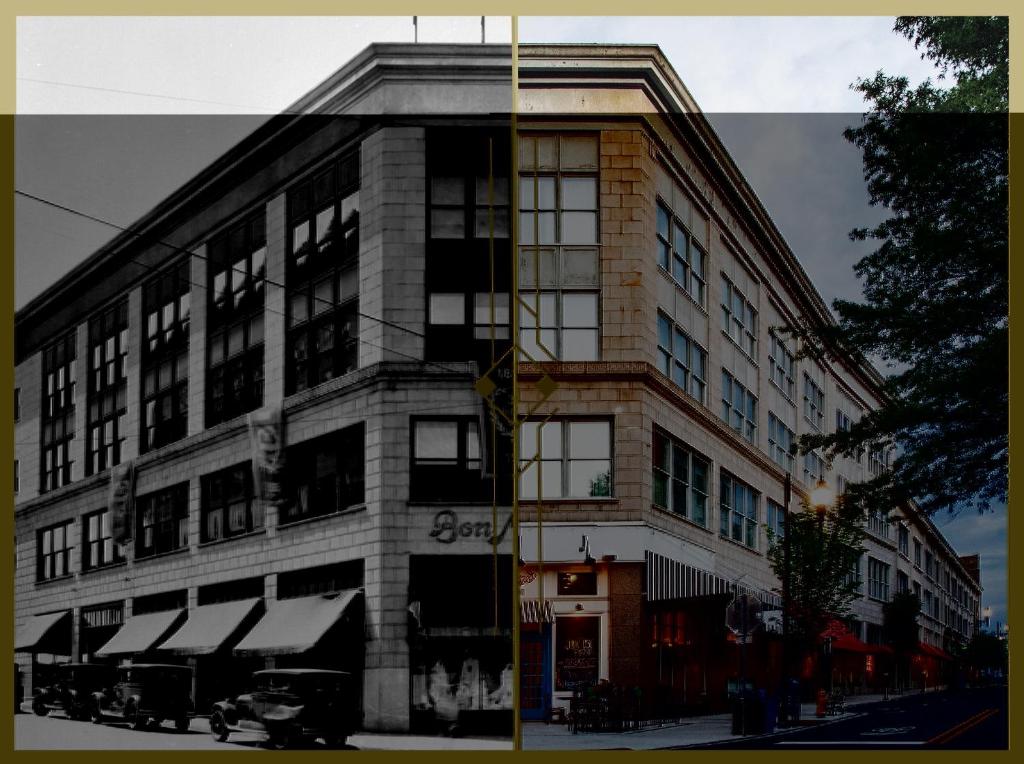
(935, 306)
(899, 619)
(823, 554)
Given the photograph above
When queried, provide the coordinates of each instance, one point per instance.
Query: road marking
(889, 731)
(957, 730)
(850, 742)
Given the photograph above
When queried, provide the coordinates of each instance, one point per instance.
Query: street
(965, 719)
(57, 732)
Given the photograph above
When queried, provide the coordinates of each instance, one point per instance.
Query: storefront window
(577, 652)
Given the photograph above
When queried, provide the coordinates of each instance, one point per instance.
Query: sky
(776, 89)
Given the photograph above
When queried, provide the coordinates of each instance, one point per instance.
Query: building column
(197, 342)
(136, 321)
(386, 686)
(78, 442)
(274, 331)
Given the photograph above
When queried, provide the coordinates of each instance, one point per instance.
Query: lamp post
(786, 658)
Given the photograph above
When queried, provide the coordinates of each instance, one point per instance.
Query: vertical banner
(265, 436)
(121, 501)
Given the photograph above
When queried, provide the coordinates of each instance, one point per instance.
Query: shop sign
(267, 453)
(447, 529)
(122, 492)
(577, 649)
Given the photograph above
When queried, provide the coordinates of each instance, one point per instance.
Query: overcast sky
(776, 89)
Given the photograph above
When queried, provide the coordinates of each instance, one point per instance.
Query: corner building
(342, 277)
(653, 284)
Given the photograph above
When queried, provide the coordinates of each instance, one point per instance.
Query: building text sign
(447, 529)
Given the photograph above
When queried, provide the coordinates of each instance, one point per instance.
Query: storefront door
(535, 674)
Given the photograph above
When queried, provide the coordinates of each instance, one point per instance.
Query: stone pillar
(197, 342)
(78, 442)
(274, 331)
(133, 416)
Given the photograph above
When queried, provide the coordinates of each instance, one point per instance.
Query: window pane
(579, 309)
(447, 309)
(447, 224)
(447, 190)
(482, 308)
(590, 478)
(579, 193)
(437, 440)
(579, 227)
(579, 345)
(323, 296)
(578, 152)
(589, 440)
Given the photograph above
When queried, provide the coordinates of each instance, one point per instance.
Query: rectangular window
(98, 547)
(326, 474)
(236, 289)
(854, 576)
(558, 190)
(814, 468)
(814, 403)
(578, 584)
(775, 519)
(54, 552)
(574, 460)
(161, 521)
(878, 460)
(902, 582)
(447, 460)
(681, 359)
(323, 275)
(681, 255)
(878, 523)
(166, 306)
(917, 553)
(929, 565)
(738, 515)
(843, 422)
(58, 412)
(107, 388)
(739, 318)
(680, 479)
(903, 539)
(780, 443)
(878, 580)
(739, 407)
(17, 404)
(559, 325)
(467, 204)
(229, 507)
(17, 475)
(781, 366)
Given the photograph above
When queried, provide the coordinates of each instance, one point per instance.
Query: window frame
(728, 513)
(878, 579)
(254, 519)
(565, 458)
(529, 325)
(814, 409)
(174, 527)
(57, 414)
(669, 256)
(781, 453)
(784, 369)
(746, 428)
(746, 335)
(670, 363)
(666, 472)
(47, 554)
(308, 487)
(101, 557)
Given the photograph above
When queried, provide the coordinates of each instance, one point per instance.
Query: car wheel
(96, 713)
(39, 707)
(181, 724)
(138, 720)
(219, 727)
(335, 741)
(280, 739)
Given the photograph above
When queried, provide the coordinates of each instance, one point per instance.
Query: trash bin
(793, 701)
(748, 714)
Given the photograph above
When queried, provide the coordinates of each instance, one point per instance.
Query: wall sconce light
(579, 607)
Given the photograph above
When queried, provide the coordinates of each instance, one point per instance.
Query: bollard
(822, 703)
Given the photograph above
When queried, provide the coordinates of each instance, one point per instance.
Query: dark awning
(209, 627)
(42, 634)
(142, 632)
(296, 625)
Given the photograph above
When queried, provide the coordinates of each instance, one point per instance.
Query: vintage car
(147, 693)
(292, 707)
(73, 688)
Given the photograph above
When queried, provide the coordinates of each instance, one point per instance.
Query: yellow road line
(953, 732)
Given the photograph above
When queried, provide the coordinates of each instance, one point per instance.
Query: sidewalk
(698, 730)
(380, 741)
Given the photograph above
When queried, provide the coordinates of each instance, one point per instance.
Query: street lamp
(821, 499)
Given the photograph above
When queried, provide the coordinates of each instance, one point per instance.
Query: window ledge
(161, 555)
(782, 392)
(107, 566)
(56, 580)
(682, 290)
(249, 534)
(568, 500)
(687, 521)
(353, 510)
(741, 545)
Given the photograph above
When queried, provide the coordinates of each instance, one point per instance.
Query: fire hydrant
(822, 704)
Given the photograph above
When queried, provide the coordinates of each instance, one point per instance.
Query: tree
(986, 652)
(899, 619)
(935, 290)
(824, 553)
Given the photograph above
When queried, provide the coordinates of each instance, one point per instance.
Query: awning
(209, 627)
(851, 644)
(142, 632)
(933, 652)
(530, 611)
(669, 579)
(294, 626)
(40, 633)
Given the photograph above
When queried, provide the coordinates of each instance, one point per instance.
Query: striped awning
(669, 579)
(530, 611)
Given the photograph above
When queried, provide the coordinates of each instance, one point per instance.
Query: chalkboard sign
(577, 652)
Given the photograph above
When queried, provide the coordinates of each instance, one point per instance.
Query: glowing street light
(822, 496)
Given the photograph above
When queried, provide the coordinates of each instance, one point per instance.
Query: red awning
(934, 652)
(851, 644)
